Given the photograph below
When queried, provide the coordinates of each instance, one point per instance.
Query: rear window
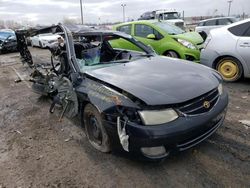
(126, 29)
(240, 30)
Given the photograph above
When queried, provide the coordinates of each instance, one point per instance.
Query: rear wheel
(95, 130)
(230, 69)
(172, 54)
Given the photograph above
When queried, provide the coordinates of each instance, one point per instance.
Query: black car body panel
(179, 135)
(122, 90)
(139, 79)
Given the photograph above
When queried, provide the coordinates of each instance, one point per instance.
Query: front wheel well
(167, 51)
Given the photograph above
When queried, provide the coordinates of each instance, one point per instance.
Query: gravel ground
(36, 150)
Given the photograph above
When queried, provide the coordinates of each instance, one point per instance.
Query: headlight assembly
(220, 89)
(157, 117)
(187, 44)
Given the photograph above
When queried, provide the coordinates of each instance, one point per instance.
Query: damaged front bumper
(157, 142)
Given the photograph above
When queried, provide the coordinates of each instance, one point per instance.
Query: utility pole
(229, 6)
(81, 11)
(123, 10)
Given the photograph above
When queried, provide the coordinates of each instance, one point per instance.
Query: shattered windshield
(169, 28)
(107, 50)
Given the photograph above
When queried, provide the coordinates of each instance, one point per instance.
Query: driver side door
(142, 33)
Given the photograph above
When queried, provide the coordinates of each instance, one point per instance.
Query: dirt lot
(36, 150)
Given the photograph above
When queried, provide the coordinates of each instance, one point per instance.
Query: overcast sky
(53, 11)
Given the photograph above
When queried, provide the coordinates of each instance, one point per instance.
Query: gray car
(205, 26)
(227, 50)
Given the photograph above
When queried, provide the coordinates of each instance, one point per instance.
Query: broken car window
(98, 51)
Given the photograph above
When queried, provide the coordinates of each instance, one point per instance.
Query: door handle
(245, 44)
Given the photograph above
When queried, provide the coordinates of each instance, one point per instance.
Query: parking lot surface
(36, 150)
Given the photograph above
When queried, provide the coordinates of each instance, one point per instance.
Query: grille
(202, 136)
(179, 24)
(196, 106)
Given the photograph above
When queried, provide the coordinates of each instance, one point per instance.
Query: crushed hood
(192, 37)
(160, 80)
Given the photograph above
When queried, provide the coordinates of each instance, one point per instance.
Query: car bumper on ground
(156, 142)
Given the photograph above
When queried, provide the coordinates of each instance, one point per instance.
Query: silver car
(227, 50)
(205, 26)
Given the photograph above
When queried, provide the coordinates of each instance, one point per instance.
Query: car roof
(217, 18)
(140, 22)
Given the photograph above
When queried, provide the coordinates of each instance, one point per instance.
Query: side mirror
(151, 36)
(179, 15)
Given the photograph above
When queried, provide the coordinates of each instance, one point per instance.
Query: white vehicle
(204, 26)
(169, 15)
(44, 40)
(226, 49)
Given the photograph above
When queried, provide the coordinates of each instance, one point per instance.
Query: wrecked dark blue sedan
(134, 100)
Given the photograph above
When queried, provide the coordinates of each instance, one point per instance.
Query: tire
(172, 54)
(95, 131)
(230, 69)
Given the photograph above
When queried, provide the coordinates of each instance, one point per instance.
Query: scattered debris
(39, 157)
(18, 131)
(68, 139)
(237, 107)
(18, 80)
(246, 123)
(244, 97)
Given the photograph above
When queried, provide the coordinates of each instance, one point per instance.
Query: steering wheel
(119, 53)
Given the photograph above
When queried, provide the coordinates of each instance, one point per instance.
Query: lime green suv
(164, 38)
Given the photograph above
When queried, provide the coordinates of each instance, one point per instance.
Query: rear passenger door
(141, 31)
(242, 31)
(243, 45)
